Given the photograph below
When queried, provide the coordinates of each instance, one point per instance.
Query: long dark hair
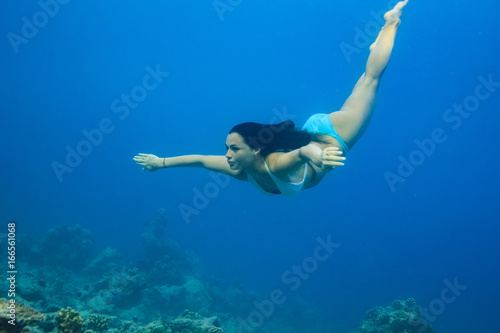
(274, 137)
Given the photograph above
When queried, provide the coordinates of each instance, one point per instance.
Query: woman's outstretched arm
(152, 162)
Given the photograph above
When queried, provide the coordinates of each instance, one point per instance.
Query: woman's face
(239, 155)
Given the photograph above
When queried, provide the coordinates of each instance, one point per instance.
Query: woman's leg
(353, 118)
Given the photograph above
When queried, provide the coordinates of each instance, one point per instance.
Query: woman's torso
(313, 176)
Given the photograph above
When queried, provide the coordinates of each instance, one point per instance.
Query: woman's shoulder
(272, 157)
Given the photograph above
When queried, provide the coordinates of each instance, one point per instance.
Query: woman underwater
(279, 159)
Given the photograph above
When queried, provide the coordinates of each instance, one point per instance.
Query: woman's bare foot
(391, 18)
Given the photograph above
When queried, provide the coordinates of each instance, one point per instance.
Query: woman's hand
(330, 158)
(149, 162)
(327, 158)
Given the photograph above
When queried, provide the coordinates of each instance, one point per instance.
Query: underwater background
(414, 213)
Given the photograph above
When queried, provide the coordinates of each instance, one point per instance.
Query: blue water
(403, 238)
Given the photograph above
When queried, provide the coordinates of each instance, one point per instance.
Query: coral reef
(117, 289)
(19, 317)
(192, 322)
(67, 246)
(164, 256)
(108, 260)
(188, 322)
(197, 294)
(97, 322)
(153, 237)
(82, 290)
(69, 321)
(402, 316)
(168, 270)
(33, 288)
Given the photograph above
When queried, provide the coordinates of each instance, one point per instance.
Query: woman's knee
(370, 81)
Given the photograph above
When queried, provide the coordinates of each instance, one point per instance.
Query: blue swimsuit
(320, 123)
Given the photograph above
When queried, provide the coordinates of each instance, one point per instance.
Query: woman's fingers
(142, 157)
(332, 163)
(332, 151)
(332, 157)
(333, 154)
